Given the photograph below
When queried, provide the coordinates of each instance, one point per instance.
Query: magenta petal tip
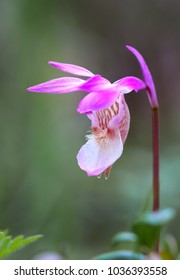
(151, 91)
(71, 68)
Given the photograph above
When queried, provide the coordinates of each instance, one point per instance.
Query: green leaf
(4, 244)
(3, 234)
(169, 248)
(149, 225)
(9, 245)
(125, 240)
(20, 242)
(120, 255)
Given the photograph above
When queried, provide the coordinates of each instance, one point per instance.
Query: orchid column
(151, 93)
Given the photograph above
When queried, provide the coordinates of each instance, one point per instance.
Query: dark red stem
(156, 185)
(155, 135)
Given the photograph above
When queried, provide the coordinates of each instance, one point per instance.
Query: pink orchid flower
(106, 108)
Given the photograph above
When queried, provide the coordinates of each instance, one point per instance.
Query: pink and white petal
(94, 157)
(96, 101)
(146, 75)
(94, 120)
(71, 68)
(59, 85)
(96, 83)
(127, 84)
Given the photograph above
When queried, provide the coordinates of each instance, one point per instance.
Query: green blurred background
(42, 189)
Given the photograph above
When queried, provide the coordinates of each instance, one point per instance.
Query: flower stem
(156, 185)
(155, 135)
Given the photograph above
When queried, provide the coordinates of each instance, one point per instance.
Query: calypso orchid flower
(105, 106)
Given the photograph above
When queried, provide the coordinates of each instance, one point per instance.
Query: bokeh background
(42, 189)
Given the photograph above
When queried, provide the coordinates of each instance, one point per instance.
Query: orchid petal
(147, 76)
(95, 157)
(115, 121)
(121, 120)
(96, 83)
(71, 68)
(96, 101)
(59, 85)
(127, 84)
(94, 120)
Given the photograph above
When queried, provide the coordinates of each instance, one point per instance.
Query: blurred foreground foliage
(140, 244)
(9, 245)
